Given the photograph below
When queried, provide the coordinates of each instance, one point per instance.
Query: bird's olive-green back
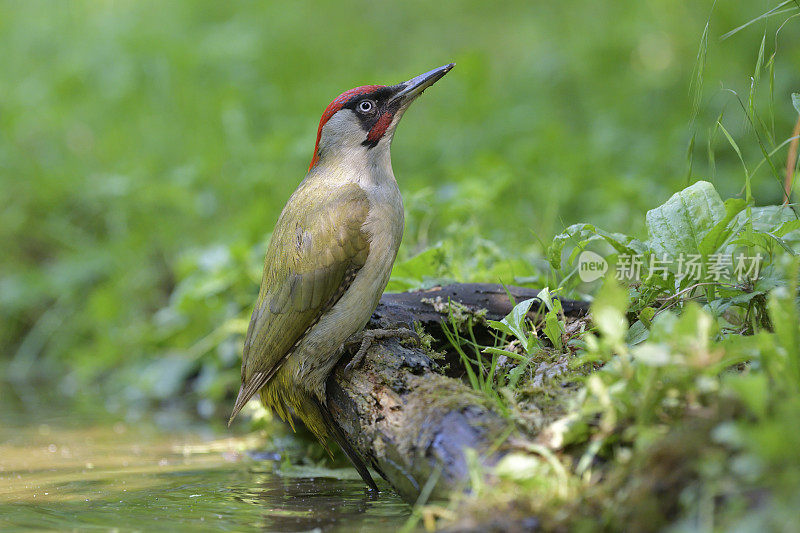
(317, 247)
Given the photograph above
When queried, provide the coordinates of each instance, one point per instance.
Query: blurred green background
(146, 149)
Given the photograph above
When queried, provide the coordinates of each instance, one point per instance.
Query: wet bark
(411, 421)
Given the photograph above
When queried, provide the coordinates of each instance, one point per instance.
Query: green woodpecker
(329, 258)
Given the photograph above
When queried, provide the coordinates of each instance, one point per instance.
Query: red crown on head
(335, 106)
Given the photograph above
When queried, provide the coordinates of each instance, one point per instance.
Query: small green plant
(702, 372)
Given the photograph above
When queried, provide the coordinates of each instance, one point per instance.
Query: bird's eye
(365, 106)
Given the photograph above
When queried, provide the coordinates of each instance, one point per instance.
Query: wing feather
(313, 256)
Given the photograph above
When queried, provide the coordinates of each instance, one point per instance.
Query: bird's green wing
(318, 246)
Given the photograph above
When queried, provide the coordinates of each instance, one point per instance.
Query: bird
(329, 260)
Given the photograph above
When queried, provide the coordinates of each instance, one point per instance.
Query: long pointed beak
(408, 91)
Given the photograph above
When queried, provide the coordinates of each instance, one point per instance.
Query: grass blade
(777, 10)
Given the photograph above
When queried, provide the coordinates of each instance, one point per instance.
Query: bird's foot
(364, 339)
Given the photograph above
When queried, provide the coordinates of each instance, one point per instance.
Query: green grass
(673, 405)
(139, 150)
(146, 149)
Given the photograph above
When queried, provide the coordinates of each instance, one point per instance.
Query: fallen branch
(408, 420)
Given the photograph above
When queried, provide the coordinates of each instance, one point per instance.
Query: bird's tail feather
(311, 419)
(335, 432)
(249, 389)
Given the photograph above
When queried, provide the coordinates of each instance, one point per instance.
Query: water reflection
(328, 504)
(110, 474)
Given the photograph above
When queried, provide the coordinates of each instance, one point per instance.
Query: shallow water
(69, 470)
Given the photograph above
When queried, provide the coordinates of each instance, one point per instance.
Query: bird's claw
(366, 337)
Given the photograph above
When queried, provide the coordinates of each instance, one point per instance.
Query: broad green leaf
(553, 329)
(769, 222)
(682, 222)
(768, 218)
(787, 227)
(720, 305)
(514, 322)
(500, 326)
(411, 273)
(719, 234)
(638, 333)
(516, 319)
(796, 101)
(553, 305)
(582, 234)
(546, 298)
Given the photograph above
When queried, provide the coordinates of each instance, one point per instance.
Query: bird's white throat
(344, 158)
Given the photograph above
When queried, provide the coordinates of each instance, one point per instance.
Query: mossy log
(406, 418)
